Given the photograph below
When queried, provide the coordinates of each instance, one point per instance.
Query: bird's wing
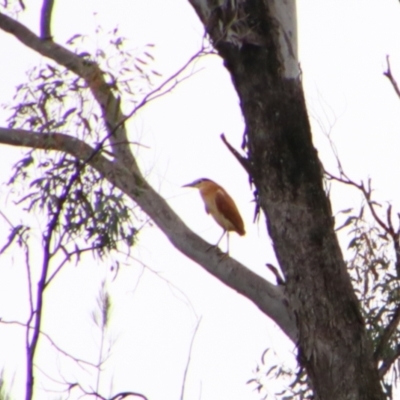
(227, 207)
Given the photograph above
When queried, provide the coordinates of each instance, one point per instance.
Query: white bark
(228, 21)
(284, 11)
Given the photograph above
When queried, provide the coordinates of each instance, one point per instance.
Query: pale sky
(343, 47)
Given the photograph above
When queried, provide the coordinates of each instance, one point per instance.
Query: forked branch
(389, 229)
(86, 69)
(389, 75)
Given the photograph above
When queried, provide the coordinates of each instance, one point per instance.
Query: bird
(221, 206)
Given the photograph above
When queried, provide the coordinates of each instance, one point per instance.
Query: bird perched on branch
(221, 206)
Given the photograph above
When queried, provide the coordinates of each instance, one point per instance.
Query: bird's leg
(222, 255)
(219, 240)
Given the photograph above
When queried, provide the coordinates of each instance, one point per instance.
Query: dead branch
(189, 359)
(159, 90)
(279, 280)
(392, 80)
(123, 395)
(118, 396)
(244, 162)
(54, 344)
(386, 226)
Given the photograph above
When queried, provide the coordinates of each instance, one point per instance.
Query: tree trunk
(257, 41)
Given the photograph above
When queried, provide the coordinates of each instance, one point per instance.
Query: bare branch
(389, 75)
(159, 90)
(189, 358)
(67, 258)
(389, 219)
(30, 293)
(242, 160)
(41, 285)
(48, 337)
(394, 235)
(386, 226)
(274, 270)
(45, 19)
(119, 396)
(367, 194)
(123, 395)
(174, 288)
(270, 299)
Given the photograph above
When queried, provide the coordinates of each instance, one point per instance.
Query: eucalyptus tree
(90, 175)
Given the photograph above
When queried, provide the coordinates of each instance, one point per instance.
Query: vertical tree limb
(45, 19)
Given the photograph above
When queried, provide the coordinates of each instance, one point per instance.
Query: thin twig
(104, 306)
(158, 91)
(242, 160)
(274, 270)
(389, 229)
(122, 395)
(386, 226)
(367, 194)
(29, 275)
(66, 259)
(45, 19)
(48, 337)
(189, 359)
(389, 75)
(119, 396)
(185, 299)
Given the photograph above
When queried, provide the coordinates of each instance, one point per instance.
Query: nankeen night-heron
(220, 205)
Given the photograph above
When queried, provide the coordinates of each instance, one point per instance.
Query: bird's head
(198, 183)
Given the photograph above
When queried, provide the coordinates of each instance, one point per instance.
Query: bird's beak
(188, 185)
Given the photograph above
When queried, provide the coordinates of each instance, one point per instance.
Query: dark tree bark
(257, 41)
